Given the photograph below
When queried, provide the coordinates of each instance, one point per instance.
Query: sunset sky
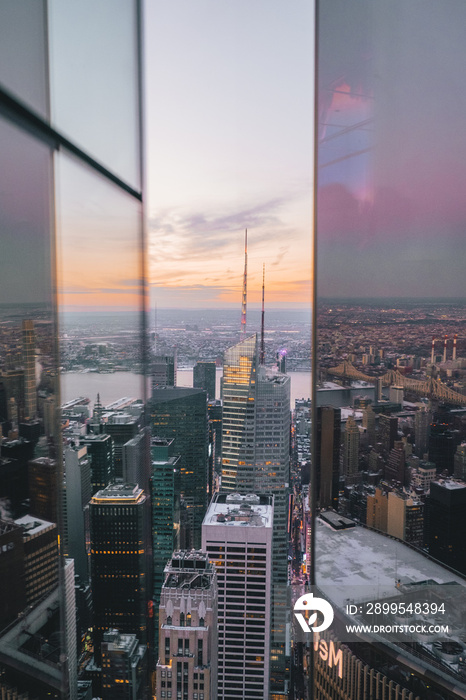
(229, 132)
(229, 135)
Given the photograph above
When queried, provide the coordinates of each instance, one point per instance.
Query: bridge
(427, 387)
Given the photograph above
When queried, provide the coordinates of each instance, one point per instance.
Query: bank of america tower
(255, 459)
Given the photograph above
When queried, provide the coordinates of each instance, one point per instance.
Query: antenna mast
(262, 352)
(245, 282)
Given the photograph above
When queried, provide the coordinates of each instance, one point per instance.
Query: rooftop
(189, 570)
(32, 525)
(450, 484)
(118, 492)
(238, 510)
(360, 563)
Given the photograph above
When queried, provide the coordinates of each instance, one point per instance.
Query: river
(114, 386)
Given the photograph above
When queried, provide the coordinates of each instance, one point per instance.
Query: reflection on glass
(94, 80)
(31, 645)
(391, 396)
(100, 288)
(23, 52)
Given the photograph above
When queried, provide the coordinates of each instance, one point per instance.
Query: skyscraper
(388, 432)
(165, 510)
(78, 493)
(422, 420)
(163, 371)
(12, 598)
(100, 450)
(351, 447)
(237, 534)
(328, 456)
(214, 411)
(29, 363)
(43, 488)
(120, 561)
(442, 447)
(255, 459)
(368, 422)
(204, 377)
(124, 671)
(40, 542)
(122, 427)
(395, 466)
(181, 413)
(445, 524)
(188, 628)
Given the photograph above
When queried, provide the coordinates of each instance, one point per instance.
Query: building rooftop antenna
(262, 352)
(245, 283)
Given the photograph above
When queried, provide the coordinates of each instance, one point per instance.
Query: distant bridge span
(428, 387)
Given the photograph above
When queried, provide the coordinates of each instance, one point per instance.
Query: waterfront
(113, 386)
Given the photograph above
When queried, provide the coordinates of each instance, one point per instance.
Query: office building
(392, 669)
(13, 486)
(40, 546)
(29, 364)
(122, 427)
(78, 492)
(395, 395)
(423, 474)
(377, 509)
(204, 377)
(459, 462)
(237, 535)
(445, 524)
(100, 450)
(405, 517)
(163, 371)
(181, 414)
(442, 447)
(84, 614)
(43, 488)
(368, 422)
(351, 447)
(13, 383)
(256, 458)
(188, 629)
(165, 510)
(328, 456)
(422, 421)
(124, 668)
(135, 460)
(12, 598)
(388, 432)
(120, 561)
(395, 466)
(214, 412)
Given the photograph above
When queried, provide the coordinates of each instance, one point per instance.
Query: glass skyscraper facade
(388, 344)
(181, 414)
(389, 232)
(72, 241)
(256, 459)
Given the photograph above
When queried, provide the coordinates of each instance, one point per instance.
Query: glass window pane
(93, 76)
(100, 287)
(391, 249)
(23, 52)
(30, 451)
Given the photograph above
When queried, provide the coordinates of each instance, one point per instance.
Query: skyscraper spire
(262, 351)
(245, 283)
(98, 409)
